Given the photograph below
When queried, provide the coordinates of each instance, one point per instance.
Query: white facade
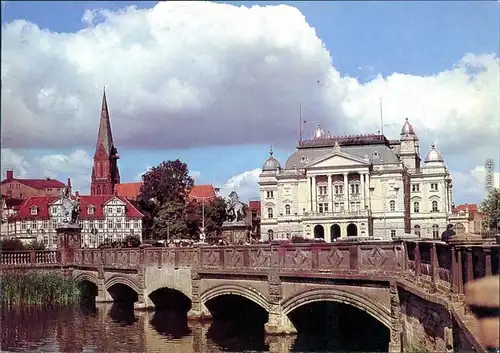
(111, 222)
(356, 186)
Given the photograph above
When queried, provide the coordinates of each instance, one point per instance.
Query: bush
(35, 245)
(131, 241)
(13, 244)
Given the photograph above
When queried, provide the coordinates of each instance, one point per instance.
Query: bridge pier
(199, 311)
(278, 322)
(396, 327)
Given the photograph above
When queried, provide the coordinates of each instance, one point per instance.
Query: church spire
(105, 173)
(104, 136)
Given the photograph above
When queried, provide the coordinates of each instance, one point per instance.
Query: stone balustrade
(30, 258)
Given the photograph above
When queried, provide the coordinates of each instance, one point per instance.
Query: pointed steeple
(104, 136)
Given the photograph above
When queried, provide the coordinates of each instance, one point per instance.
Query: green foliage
(416, 348)
(163, 199)
(38, 288)
(131, 241)
(13, 244)
(491, 207)
(35, 245)
(215, 215)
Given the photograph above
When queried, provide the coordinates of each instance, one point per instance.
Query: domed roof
(433, 155)
(407, 128)
(271, 164)
(319, 133)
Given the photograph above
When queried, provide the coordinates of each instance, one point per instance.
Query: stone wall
(425, 323)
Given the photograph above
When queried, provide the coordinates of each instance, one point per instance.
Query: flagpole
(300, 123)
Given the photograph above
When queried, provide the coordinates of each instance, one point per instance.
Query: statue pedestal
(236, 232)
(69, 238)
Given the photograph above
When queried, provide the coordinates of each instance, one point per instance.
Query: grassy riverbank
(38, 288)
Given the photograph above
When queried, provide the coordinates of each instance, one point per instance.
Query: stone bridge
(414, 288)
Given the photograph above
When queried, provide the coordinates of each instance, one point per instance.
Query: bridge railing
(441, 266)
(27, 258)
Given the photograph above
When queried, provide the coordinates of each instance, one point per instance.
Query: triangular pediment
(338, 159)
(114, 201)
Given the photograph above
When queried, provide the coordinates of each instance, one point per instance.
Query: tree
(490, 206)
(163, 198)
(215, 215)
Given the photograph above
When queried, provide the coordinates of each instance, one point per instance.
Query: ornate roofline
(348, 140)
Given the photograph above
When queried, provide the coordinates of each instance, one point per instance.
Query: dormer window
(91, 210)
(34, 211)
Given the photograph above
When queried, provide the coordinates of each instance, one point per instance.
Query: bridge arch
(358, 301)
(87, 277)
(246, 292)
(120, 279)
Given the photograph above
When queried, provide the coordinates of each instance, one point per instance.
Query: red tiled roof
(128, 190)
(254, 205)
(43, 204)
(202, 192)
(39, 184)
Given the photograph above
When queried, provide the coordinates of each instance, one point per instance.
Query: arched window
(435, 231)
(392, 205)
(435, 206)
(287, 209)
(270, 234)
(270, 213)
(417, 229)
(416, 207)
(98, 190)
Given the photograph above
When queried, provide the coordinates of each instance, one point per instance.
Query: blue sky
(420, 38)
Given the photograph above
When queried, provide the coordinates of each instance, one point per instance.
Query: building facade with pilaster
(361, 185)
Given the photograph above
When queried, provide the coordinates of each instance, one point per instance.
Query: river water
(118, 328)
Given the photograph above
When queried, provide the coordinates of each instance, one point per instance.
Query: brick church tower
(105, 173)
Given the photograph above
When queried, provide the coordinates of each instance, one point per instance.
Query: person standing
(448, 233)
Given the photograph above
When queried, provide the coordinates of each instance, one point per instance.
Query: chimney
(69, 185)
(10, 174)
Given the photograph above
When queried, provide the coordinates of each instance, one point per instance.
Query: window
(415, 187)
(417, 230)
(91, 210)
(24, 225)
(270, 194)
(46, 240)
(127, 224)
(287, 210)
(270, 234)
(354, 189)
(435, 206)
(54, 223)
(323, 207)
(393, 233)
(434, 187)
(137, 224)
(21, 196)
(416, 207)
(45, 224)
(322, 190)
(392, 205)
(34, 211)
(270, 213)
(118, 224)
(119, 210)
(33, 225)
(110, 224)
(101, 238)
(54, 210)
(100, 224)
(435, 231)
(339, 189)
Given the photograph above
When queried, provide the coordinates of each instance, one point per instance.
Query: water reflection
(117, 328)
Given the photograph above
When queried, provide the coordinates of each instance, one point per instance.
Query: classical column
(330, 196)
(314, 195)
(309, 199)
(346, 193)
(362, 191)
(367, 190)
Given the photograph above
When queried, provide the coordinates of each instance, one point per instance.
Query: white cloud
(193, 67)
(245, 184)
(76, 165)
(471, 185)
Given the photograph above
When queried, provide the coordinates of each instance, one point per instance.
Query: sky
(215, 84)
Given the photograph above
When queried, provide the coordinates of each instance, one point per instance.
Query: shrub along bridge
(413, 288)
